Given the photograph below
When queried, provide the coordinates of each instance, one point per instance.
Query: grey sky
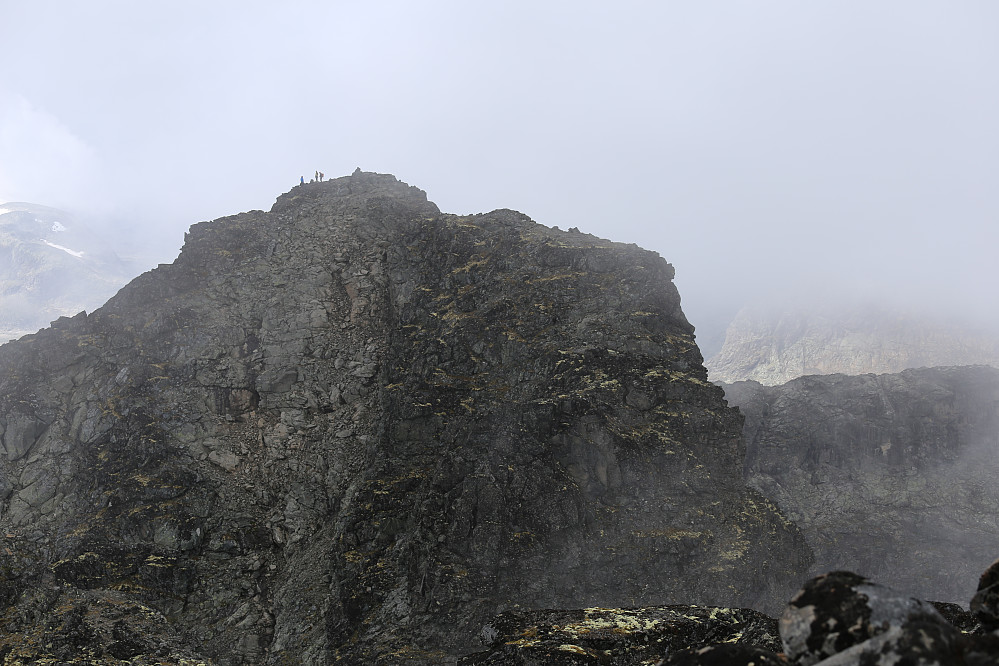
(757, 145)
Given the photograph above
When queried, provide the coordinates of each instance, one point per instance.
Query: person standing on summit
(303, 180)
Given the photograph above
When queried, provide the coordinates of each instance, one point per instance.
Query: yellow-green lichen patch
(614, 620)
(668, 533)
(353, 556)
(474, 263)
(574, 275)
(159, 561)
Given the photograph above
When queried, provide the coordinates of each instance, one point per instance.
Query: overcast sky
(755, 144)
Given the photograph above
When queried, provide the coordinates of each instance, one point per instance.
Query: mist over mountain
(779, 342)
(51, 266)
(347, 427)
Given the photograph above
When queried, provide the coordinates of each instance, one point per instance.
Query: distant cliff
(892, 476)
(775, 345)
(355, 428)
(50, 266)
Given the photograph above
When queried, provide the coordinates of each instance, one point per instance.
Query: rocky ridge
(905, 461)
(355, 429)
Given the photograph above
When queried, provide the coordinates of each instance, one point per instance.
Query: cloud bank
(760, 147)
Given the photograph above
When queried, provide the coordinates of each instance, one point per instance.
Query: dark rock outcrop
(354, 429)
(835, 619)
(725, 654)
(842, 619)
(985, 603)
(840, 610)
(893, 476)
(619, 636)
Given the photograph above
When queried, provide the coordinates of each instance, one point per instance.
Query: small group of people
(318, 178)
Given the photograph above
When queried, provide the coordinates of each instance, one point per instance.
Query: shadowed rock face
(893, 476)
(356, 428)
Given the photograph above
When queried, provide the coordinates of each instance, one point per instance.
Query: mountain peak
(359, 185)
(355, 425)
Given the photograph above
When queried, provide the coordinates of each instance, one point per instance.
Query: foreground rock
(355, 428)
(842, 619)
(725, 654)
(72, 626)
(619, 636)
(836, 612)
(836, 619)
(889, 475)
(985, 603)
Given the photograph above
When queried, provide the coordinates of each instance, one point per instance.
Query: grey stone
(20, 434)
(837, 611)
(985, 603)
(225, 459)
(40, 489)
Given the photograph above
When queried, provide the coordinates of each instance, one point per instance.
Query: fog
(759, 146)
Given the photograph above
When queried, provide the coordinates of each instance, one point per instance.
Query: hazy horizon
(761, 148)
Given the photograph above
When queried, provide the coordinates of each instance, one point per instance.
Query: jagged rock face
(50, 266)
(893, 476)
(354, 428)
(775, 346)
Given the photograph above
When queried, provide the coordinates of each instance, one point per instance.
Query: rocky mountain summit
(892, 476)
(775, 345)
(354, 429)
(51, 266)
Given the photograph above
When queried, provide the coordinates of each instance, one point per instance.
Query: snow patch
(5, 210)
(64, 249)
(57, 226)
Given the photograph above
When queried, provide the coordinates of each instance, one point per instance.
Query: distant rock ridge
(50, 267)
(354, 429)
(892, 476)
(775, 345)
